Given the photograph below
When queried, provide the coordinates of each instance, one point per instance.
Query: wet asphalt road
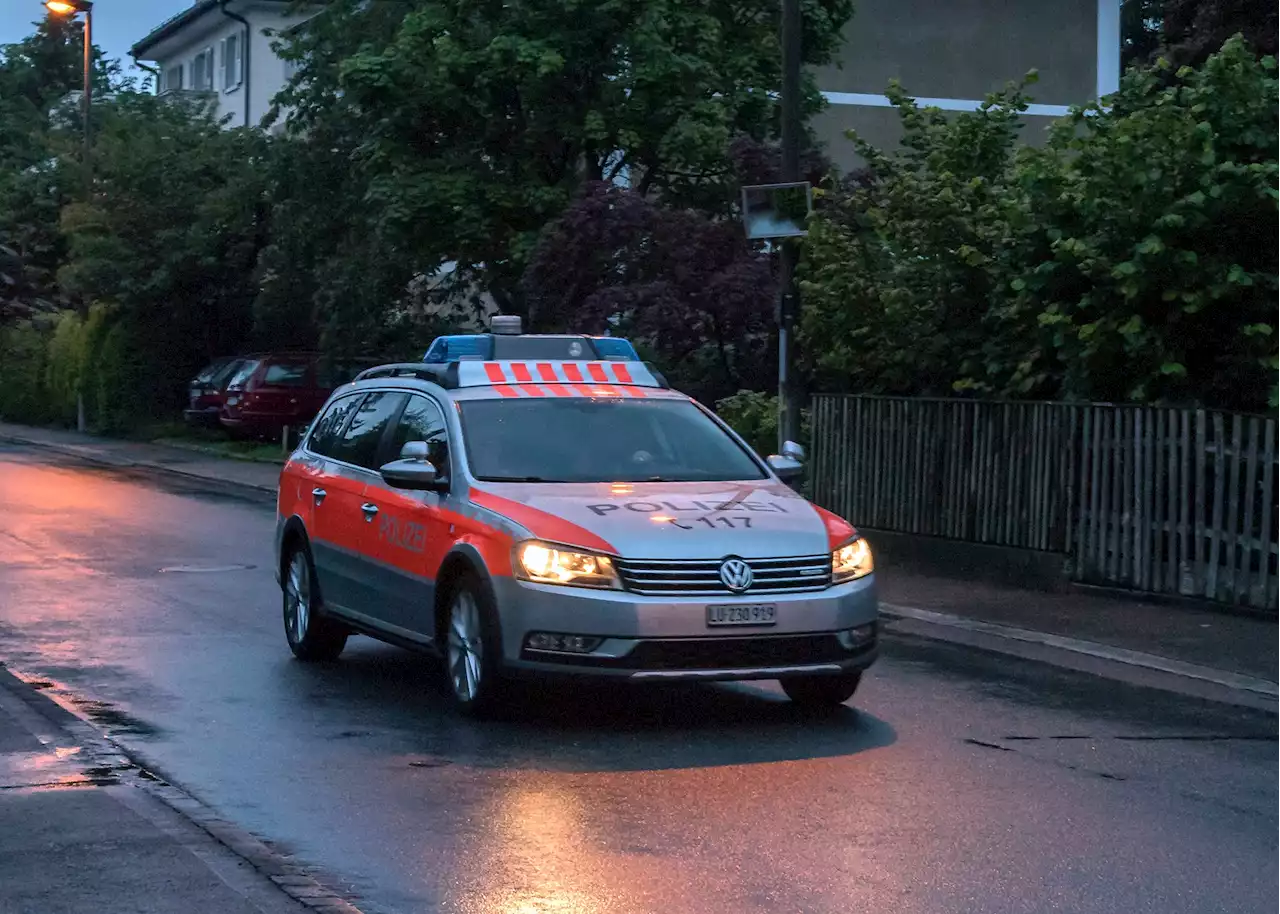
(963, 783)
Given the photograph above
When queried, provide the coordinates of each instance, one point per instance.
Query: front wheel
(311, 634)
(472, 648)
(822, 692)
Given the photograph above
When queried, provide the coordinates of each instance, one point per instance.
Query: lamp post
(789, 293)
(69, 9)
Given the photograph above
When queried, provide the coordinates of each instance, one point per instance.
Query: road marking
(1089, 648)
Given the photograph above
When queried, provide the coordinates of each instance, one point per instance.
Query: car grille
(701, 577)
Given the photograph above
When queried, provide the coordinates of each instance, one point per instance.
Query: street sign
(776, 210)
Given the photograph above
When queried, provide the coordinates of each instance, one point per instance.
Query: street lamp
(69, 8)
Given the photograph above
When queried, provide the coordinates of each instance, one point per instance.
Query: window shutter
(222, 60)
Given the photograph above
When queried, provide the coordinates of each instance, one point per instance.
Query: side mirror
(413, 470)
(789, 465)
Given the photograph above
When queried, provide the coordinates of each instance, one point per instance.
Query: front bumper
(666, 639)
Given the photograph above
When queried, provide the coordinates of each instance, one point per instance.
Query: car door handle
(318, 494)
(369, 509)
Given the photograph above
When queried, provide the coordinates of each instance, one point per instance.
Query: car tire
(822, 692)
(472, 648)
(312, 635)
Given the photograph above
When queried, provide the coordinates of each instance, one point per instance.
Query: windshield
(588, 440)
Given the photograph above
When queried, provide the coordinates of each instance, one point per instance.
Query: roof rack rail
(444, 375)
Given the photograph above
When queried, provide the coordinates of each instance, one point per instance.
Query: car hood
(694, 520)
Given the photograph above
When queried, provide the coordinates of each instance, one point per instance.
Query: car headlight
(544, 563)
(851, 561)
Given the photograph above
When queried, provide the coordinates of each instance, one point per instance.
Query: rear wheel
(822, 692)
(311, 634)
(471, 650)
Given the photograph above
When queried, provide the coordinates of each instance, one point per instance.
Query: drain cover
(204, 569)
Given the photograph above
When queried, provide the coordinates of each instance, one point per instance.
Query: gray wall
(967, 48)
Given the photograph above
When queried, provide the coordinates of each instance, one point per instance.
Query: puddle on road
(112, 720)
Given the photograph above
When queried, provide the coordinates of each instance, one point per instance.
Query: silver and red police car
(571, 517)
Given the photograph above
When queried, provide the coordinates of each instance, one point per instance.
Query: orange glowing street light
(70, 8)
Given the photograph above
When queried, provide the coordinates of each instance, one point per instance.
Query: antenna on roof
(506, 324)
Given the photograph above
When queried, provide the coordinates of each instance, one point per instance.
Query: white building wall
(265, 72)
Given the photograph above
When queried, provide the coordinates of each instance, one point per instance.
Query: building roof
(177, 23)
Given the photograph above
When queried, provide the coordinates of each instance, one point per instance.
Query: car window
(420, 421)
(243, 373)
(286, 374)
(211, 371)
(596, 440)
(327, 432)
(359, 444)
(224, 374)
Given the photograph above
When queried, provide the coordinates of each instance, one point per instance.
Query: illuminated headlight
(547, 564)
(851, 561)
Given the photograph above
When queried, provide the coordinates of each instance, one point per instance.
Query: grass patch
(256, 451)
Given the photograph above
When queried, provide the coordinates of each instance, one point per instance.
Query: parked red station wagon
(274, 390)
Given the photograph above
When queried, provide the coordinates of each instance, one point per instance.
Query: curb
(1249, 687)
(92, 456)
(292, 878)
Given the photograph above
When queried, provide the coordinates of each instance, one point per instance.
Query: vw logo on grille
(736, 574)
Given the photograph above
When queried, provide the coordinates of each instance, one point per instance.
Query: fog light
(552, 643)
(852, 638)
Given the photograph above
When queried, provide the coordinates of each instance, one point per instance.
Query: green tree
(169, 243)
(37, 76)
(1192, 30)
(468, 127)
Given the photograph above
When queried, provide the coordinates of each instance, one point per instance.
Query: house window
(202, 71)
(232, 54)
(170, 79)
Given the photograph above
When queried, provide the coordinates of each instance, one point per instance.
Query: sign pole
(788, 293)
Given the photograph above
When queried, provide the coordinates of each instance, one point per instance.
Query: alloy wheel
(466, 648)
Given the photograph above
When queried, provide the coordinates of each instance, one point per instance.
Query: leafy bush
(754, 416)
(22, 363)
(1132, 258)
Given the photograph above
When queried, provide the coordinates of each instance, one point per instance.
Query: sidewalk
(181, 462)
(81, 832)
(1212, 649)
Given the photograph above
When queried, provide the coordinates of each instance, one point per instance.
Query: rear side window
(327, 434)
(243, 374)
(286, 374)
(224, 374)
(359, 444)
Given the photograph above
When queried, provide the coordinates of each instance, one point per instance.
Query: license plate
(753, 614)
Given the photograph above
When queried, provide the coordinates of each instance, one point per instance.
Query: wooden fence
(1174, 501)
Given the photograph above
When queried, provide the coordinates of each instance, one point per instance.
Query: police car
(565, 517)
